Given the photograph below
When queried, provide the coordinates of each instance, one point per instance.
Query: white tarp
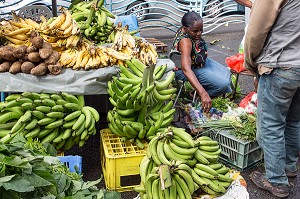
(92, 82)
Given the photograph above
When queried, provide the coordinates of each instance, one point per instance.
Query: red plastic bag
(245, 102)
(236, 62)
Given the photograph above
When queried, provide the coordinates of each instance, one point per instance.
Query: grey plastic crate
(236, 152)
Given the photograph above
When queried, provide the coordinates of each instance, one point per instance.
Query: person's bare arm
(263, 16)
(185, 47)
(246, 3)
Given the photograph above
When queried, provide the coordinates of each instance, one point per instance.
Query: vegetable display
(28, 171)
(59, 119)
(77, 42)
(38, 59)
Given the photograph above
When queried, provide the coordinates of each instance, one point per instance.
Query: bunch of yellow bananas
(91, 57)
(146, 53)
(62, 32)
(172, 158)
(17, 31)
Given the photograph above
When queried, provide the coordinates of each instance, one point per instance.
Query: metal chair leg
(176, 99)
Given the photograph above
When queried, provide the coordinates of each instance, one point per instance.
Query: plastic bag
(249, 101)
(236, 62)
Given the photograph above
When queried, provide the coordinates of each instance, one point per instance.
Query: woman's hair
(190, 18)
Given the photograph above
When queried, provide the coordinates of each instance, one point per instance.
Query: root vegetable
(54, 69)
(24, 58)
(39, 70)
(31, 49)
(20, 51)
(4, 67)
(7, 52)
(54, 57)
(15, 67)
(34, 57)
(46, 50)
(33, 34)
(26, 67)
(37, 42)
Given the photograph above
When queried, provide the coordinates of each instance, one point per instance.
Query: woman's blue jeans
(278, 122)
(214, 77)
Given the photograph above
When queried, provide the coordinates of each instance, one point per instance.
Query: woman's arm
(185, 47)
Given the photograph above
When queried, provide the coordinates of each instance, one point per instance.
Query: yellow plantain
(57, 22)
(68, 20)
(20, 31)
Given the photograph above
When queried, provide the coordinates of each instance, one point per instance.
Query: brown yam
(20, 51)
(34, 57)
(45, 52)
(37, 42)
(54, 69)
(15, 67)
(7, 52)
(24, 58)
(31, 49)
(54, 57)
(39, 70)
(27, 66)
(47, 45)
(4, 67)
(33, 34)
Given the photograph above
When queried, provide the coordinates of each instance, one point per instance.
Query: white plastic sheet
(92, 82)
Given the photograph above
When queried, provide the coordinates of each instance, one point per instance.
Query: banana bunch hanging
(141, 99)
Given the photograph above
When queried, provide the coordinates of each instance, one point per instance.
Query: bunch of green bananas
(175, 148)
(60, 119)
(94, 20)
(139, 97)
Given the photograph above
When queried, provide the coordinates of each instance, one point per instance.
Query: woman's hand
(206, 102)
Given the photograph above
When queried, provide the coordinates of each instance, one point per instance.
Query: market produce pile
(85, 36)
(30, 170)
(139, 97)
(38, 59)
(176, 166)
(59, 119)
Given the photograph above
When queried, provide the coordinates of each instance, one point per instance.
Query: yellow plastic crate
(120, 162)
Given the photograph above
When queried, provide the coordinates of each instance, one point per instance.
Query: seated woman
(189, 52)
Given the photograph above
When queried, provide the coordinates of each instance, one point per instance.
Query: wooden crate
(160, 46)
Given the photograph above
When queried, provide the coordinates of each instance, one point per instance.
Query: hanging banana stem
(145, 78)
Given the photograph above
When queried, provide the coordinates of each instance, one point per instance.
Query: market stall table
(81, 82)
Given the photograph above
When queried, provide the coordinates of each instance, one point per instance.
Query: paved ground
(230, 37)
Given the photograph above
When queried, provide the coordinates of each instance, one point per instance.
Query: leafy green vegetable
(27, 171)
(222, 104)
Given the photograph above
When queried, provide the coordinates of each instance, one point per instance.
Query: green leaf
(76, 186)
(15, 161)
(9, 194)
(43, 173)
(36, 180)
(89, 184)
(112, 195)
(18, 184)
(61, 180)
(50, 149)
(2, 170)
(6, 178)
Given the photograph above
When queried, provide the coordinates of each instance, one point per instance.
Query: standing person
(272, 51)
(189, 52)
(248, 5)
